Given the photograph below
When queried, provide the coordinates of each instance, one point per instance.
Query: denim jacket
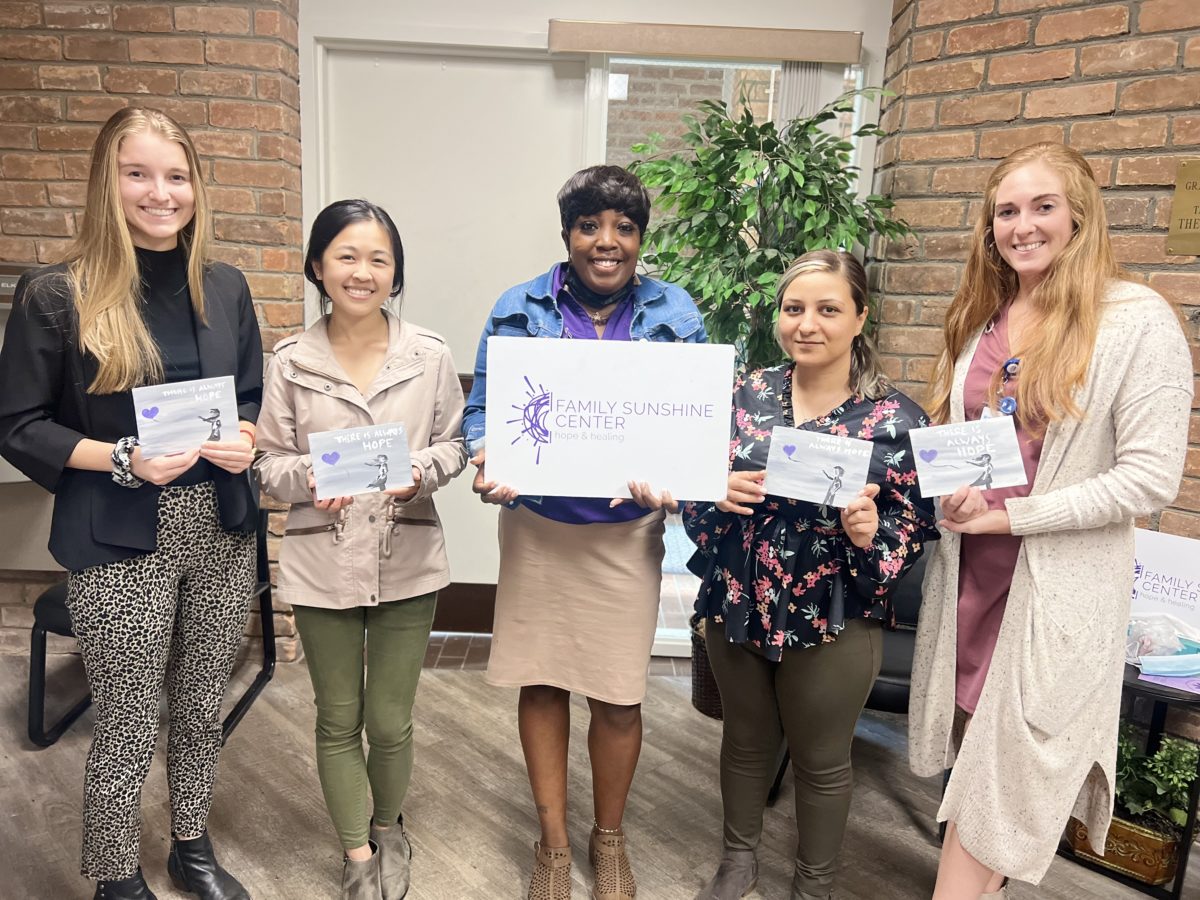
(661, 312)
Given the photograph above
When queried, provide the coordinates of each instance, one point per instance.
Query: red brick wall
(976, 79)
(228, 73)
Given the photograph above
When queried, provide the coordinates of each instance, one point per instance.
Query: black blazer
(45, 411)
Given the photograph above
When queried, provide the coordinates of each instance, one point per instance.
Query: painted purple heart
(929, 455)
(330, 459)
(788, 450)
(151, 412)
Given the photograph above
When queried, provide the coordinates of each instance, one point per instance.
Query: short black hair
(329, 224)
(597, 188)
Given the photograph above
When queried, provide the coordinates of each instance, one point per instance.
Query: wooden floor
(468, 811)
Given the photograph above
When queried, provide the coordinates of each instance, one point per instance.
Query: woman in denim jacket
(577, 595)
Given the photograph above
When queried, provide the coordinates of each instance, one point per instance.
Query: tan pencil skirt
(577, 605)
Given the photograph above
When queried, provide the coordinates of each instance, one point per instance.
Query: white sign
(568, 418)
(182, 415)
(1166, 576)
(353, 461)
(982, 454)
(818, 467)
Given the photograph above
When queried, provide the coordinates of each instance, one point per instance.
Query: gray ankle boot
(394, 855)
(360, 879)
(736, 876)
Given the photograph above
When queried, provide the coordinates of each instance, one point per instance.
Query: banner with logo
(1166, 576)
(570, 418)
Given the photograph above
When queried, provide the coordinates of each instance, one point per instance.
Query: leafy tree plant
(744, 200)
(1155, 788)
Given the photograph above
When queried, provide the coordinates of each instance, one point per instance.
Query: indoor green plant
(743, 201)
(1151, 794)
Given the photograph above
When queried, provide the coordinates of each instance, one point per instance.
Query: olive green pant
(813, 696)
(395, 635)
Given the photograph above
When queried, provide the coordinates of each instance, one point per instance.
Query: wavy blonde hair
(866, 370)
(1056, 354)
(102, 268)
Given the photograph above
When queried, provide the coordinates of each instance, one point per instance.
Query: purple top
(578, 325)
(986, 561)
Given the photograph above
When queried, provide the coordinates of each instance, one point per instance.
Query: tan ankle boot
(610, 867)
(551, 873)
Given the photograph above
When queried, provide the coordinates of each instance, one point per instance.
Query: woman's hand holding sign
(860, 518)
(489, 491)
(744, 488)
(645, 497)
(966, 512)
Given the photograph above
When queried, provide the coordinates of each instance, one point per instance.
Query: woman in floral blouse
(794, 593)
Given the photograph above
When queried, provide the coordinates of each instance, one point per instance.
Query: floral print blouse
(788, 576)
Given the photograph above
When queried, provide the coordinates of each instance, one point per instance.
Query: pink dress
(987, 560)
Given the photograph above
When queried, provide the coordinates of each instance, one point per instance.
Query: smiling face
(603, 250)
(156, 189)
(1032, 221)
(357, 269)
(818, 321)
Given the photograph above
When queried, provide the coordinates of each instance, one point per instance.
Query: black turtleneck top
(167, 310)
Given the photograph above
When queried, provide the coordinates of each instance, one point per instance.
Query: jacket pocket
(516, 325)
(1062, 671)
(680, 328)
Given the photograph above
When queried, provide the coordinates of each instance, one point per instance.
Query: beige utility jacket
(377, 549)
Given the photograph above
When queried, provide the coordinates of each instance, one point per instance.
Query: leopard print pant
(174, 615)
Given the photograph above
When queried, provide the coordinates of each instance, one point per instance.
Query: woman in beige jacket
(365, 568)
(1020, 648)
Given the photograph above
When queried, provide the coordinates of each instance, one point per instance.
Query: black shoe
(194, 870)
(132, 888)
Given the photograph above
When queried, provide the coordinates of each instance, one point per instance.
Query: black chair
(890, 692)
(50, 615)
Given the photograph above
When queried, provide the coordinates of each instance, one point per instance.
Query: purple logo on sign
(929, 455)
(151, 412)
(330, 459)
(532, 418)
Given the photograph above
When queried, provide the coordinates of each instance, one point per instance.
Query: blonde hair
(102, 268)
(866, 370)
(1056, 354)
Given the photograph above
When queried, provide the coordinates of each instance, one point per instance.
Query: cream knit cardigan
(1042, 742)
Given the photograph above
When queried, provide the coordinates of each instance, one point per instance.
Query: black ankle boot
(194, 869)
(132, 888)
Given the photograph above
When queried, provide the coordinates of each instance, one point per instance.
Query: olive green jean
(813, 697)
(395, 635)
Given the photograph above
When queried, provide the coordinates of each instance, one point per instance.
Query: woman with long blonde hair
(160, 552)
(1020, 648)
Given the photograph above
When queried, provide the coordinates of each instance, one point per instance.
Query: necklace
(598, 319)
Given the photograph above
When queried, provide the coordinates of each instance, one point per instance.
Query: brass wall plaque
(1183, 235)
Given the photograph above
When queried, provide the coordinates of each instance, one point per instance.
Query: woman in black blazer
(160, 551)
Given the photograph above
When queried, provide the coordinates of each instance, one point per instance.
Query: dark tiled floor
(470, 651)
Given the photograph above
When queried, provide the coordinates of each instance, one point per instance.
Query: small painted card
(182, 415)
(822, 468)
(360, 460)
(982, 454)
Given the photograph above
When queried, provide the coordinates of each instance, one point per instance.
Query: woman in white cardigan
(1020, 647)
